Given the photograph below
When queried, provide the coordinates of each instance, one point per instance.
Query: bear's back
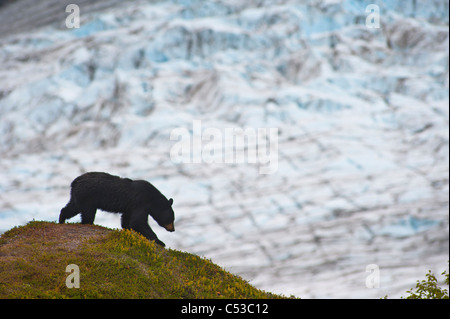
(96, 178)
(104, 191)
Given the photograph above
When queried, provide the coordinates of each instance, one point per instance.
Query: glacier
(362, 117)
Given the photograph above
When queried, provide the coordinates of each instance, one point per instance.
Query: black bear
(134, 199)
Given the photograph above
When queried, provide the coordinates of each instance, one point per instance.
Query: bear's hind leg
(125, 221)
(88, 216)
(70, 210)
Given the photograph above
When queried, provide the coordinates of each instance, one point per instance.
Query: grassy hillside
(112, 264)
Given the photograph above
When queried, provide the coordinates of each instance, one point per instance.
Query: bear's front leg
(147, 232)
(139, 223)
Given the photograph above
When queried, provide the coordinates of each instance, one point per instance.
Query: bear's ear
(170, 202)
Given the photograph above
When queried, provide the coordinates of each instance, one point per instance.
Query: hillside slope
(112, 264)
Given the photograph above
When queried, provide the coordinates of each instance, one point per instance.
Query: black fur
(135, 200)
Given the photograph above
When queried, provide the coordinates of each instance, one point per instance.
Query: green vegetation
(112, 263)
(429, 289)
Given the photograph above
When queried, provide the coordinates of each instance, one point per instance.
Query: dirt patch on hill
(48, 237)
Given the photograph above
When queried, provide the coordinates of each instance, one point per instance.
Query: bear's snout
(170, 227)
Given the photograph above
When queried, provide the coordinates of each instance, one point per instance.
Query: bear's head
(166, 216)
